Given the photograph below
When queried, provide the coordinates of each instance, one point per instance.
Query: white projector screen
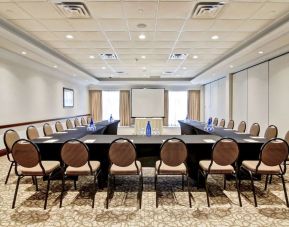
(147, 102)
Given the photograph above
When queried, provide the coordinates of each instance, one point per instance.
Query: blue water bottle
(148, 129)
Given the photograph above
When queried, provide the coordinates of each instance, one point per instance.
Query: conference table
(199, 144)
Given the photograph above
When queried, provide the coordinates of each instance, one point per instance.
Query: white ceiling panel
(12, 11)
(238, 10)
(177, 10)
(140, 9)
(105, 9)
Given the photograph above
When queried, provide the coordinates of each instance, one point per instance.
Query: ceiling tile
(140, 9)
(57, 25)
(150, 24)
(105, 9)
(175, 10)
(166, 36)
(40, 9)
(12, 11)
(271, 10)
(198, 25)
(29, 25)
(226, 25)
(84, 24)
(238, 10)
(253, 25)
(118, 36)
(169, 24)
(113, 24)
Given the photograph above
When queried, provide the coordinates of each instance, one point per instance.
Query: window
(177, 106)
(110, 104)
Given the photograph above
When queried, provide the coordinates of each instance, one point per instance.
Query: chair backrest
(122, 152)
(76, 122)
(173, 152)
(274, 152)
(26, 153)
(74, 153)
(88, 120)
(287, 137)
(83, 121)
(271, 132)
(230, 124)
(59, 127)
(215, 122)
(47, 129)
(10, 137)
(255, 129)
(69, 124)
(225, 152)
(32, 132)
(242, 126)
(222, 123)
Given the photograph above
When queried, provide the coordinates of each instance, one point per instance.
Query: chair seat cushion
(171, 170)
(48, 166)
(262, 169)
(215, 168)
(128, 170)
(83, 170)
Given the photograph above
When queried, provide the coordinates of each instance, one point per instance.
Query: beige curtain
(124, 108)
(166, 118)
(96, 105)
(194, 104)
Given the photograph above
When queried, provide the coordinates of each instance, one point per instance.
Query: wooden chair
(69, 124)
(76, 162)
(271, 132)
(215, 122)
(225, 153)
(272, 161)
(255, 129)
(173, 162)
(76, 122)
(10, 137)
(32, 132)
(230, 124)
(59, 127)
(47, 129)
(28, 163)
(122, 156)
(242, 126)
(222, 123)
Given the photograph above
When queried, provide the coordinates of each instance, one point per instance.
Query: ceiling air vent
(108, 56)
(178, 56)
(207, 10)
(75, 10)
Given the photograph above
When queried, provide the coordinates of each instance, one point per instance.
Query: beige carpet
(173, 210)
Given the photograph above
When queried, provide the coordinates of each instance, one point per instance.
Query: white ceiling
(112, 28)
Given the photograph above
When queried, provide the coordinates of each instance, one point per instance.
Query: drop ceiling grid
(113, 29)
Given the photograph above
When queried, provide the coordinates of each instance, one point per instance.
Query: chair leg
(62, 191)
(198, 180)
(285, 191)
(108, 190)
(36, 183)
(94, 190)
(270, 181)
(9, 171)
(113, 182)
(224, 181)
(207, 189)
(189, 190)
(238, 189)
(183, 182)
(16, 191)
(140, 191)
(156, 188)
(47, 191)
(266, 182)
(74, 181)
(253, 188)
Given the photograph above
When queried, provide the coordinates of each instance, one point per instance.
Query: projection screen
(147, 103)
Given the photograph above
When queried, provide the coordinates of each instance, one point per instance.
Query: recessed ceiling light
(103, 67)
(91, 56)
(140, 10)
(184, 68)
(144, 68)
(23, 52)
(55, 66)
(142, 36)
(260, 52)
(195, 57)
(143, 57)
(231, 66)
(68, 36)
(215, 37)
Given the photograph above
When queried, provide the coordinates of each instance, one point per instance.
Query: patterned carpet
(173, 209)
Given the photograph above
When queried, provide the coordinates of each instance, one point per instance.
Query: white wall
(215, 99)
(279, 94)
(260, 94)
(30, 93)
